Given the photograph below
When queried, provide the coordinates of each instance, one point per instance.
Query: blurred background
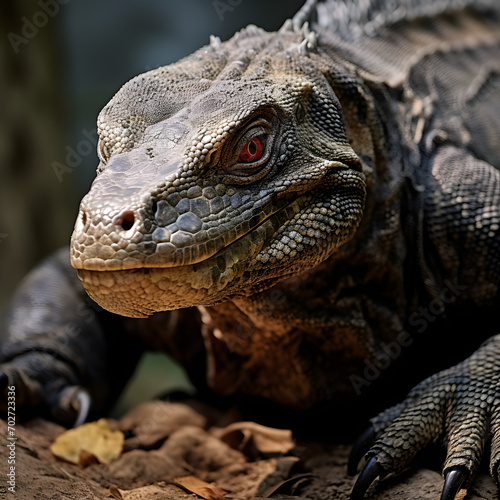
(61, 61)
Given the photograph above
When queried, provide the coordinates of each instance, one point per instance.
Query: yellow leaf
(94, 439)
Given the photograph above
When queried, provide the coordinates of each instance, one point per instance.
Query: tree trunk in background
(36, 209)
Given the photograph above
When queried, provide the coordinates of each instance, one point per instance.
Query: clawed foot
(54, 393)
(453, 480)
(460, 405)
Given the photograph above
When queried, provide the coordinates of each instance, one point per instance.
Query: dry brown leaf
(192, 484)
(152, 422)
(86, 458)
(114, 492)
(290, 482)
(94, 439)
(157, 491)
(283, 467)
(246, 436)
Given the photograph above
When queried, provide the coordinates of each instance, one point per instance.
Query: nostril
(128, 219)
(81, 221)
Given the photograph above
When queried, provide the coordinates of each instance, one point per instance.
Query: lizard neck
(302, 341)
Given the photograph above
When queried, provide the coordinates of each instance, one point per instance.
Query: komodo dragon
(314, 216)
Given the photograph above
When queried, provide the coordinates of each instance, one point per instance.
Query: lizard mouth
(190, 255)
(298, 234)
(141, 291)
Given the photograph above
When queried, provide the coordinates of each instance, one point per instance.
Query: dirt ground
(172, 451)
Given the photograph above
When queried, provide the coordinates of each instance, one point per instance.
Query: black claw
(453, 481)
(371, 471)
(359, 448)
(4, 381)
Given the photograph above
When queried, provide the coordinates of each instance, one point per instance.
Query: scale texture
(308, 217)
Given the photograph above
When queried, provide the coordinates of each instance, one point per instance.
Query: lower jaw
(144, 291)
(136, 293)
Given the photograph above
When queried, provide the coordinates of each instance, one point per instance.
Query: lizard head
(220, 175)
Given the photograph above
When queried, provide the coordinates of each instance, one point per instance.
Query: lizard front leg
(63, 355)
(461, 405)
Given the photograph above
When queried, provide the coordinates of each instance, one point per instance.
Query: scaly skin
(354, 255)
(206, 226)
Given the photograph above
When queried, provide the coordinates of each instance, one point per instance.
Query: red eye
(251, 151)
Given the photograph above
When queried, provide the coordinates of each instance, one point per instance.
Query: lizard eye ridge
(248, 156)
(251, 151)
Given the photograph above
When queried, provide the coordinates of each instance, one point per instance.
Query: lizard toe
(29, 393)
(359, 449)
(71, 405)
(495, 444)
(466, 432)
(366, 439)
